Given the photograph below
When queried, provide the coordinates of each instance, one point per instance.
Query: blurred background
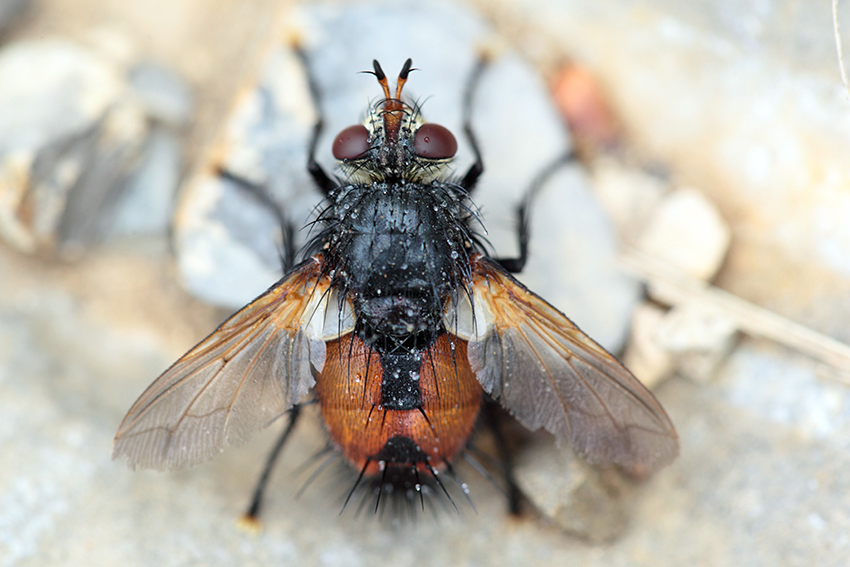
(700, 235)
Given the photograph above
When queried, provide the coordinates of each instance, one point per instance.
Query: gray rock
(68, 137)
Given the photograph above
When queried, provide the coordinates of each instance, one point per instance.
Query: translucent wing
(254, 367)
(549, 374)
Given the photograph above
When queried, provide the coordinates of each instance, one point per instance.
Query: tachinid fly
(401, 327)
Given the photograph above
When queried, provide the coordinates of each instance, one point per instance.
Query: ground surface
(761, 479)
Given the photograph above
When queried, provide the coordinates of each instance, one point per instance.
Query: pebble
(691, 340)
(687, 231)
(570, 493)
(645, 356)
(73, 138)
(698, 337)
(629, 195)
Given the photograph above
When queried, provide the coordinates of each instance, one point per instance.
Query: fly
(402, 328)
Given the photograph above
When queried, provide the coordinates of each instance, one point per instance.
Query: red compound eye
(433, 141)
(351, 143)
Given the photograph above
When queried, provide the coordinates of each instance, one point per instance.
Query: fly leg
(261, 194)
(523, 212)
(470, 179)
(323, 181)
(251, 516)
(493, 419)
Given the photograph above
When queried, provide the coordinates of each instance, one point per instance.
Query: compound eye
(351, 143)
(433, 141)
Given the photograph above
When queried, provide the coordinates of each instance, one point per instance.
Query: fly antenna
(382, 78)
(402, 77)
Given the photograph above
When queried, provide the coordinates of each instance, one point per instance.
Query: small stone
(698, 337)
(569, 492)
(68, 138)
(229, 227)
(627, 194)
(687, 232)
(573, 260)
(645, 356)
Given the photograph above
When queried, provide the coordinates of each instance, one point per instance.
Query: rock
(628, 195)
(68, 137)
(570, 493)
(687, 232)
(645, 356)
(689, 339)
(75, 137)
(573, 260)
(698, 338)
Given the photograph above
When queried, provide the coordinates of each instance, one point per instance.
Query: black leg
(523, 213)
(477, 168)
(323, 180)
(259, 192)
(493, 419)
(252, 514)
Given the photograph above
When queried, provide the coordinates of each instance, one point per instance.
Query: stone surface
(763, 453)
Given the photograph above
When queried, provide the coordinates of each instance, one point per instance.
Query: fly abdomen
(352, 394)
(400, 381)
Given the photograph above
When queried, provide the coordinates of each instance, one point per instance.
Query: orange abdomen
(349, 391)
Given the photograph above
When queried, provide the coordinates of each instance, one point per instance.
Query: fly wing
(549, 374)
(253, 368)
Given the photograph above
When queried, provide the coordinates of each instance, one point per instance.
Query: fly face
(402, 328)
(394, 143)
